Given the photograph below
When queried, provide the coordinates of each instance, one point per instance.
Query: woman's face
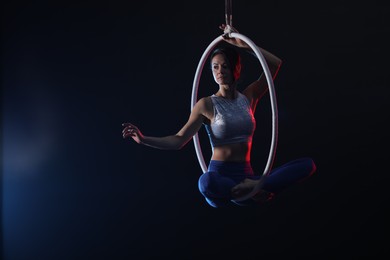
(221, 70)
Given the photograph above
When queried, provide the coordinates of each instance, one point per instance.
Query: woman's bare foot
(244, 187)
(247, 186)
(263, 196)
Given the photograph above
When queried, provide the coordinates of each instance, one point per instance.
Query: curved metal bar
(274, 108)
(194, 97)
(268, 75)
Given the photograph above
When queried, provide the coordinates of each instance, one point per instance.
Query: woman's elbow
(178, 147)
(180, 143)
(278, 64)
(275, 69)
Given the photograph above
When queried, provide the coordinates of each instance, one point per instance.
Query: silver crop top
(233, 121)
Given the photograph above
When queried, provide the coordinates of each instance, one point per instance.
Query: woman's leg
(288, 174)
(216, 188)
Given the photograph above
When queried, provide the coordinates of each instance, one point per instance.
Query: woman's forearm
(171, 142)
(273, 61)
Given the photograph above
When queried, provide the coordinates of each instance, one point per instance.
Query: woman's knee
(215, 185)
(309, 165)
(204, 182)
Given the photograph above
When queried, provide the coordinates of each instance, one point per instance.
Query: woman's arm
(171, 142)
(257, 89)
(273, 61)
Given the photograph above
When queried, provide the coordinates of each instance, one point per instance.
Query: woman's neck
(227, 91)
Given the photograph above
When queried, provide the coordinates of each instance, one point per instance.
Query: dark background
(72, 73)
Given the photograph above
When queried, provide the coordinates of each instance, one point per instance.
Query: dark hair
(233, 58)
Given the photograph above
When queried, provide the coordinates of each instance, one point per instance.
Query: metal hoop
(268, 75)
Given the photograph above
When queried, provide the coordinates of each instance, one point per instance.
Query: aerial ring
(194, 99)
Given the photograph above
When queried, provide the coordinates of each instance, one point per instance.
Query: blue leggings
(216, 184)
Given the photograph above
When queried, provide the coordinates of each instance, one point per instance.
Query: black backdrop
(72, 73)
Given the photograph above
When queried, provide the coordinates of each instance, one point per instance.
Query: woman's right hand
(233, 41)
(132, 131)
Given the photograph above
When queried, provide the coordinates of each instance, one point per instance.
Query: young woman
(228, 116)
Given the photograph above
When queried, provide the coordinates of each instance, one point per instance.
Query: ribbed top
(233, 121)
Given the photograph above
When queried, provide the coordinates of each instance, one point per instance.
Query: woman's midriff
(238, 152)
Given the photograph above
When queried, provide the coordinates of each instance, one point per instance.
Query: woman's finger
(128, 134)
(127, 128)
(128, 124)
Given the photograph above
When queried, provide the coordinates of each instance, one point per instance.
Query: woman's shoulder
(205, 102)
(205, 99)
